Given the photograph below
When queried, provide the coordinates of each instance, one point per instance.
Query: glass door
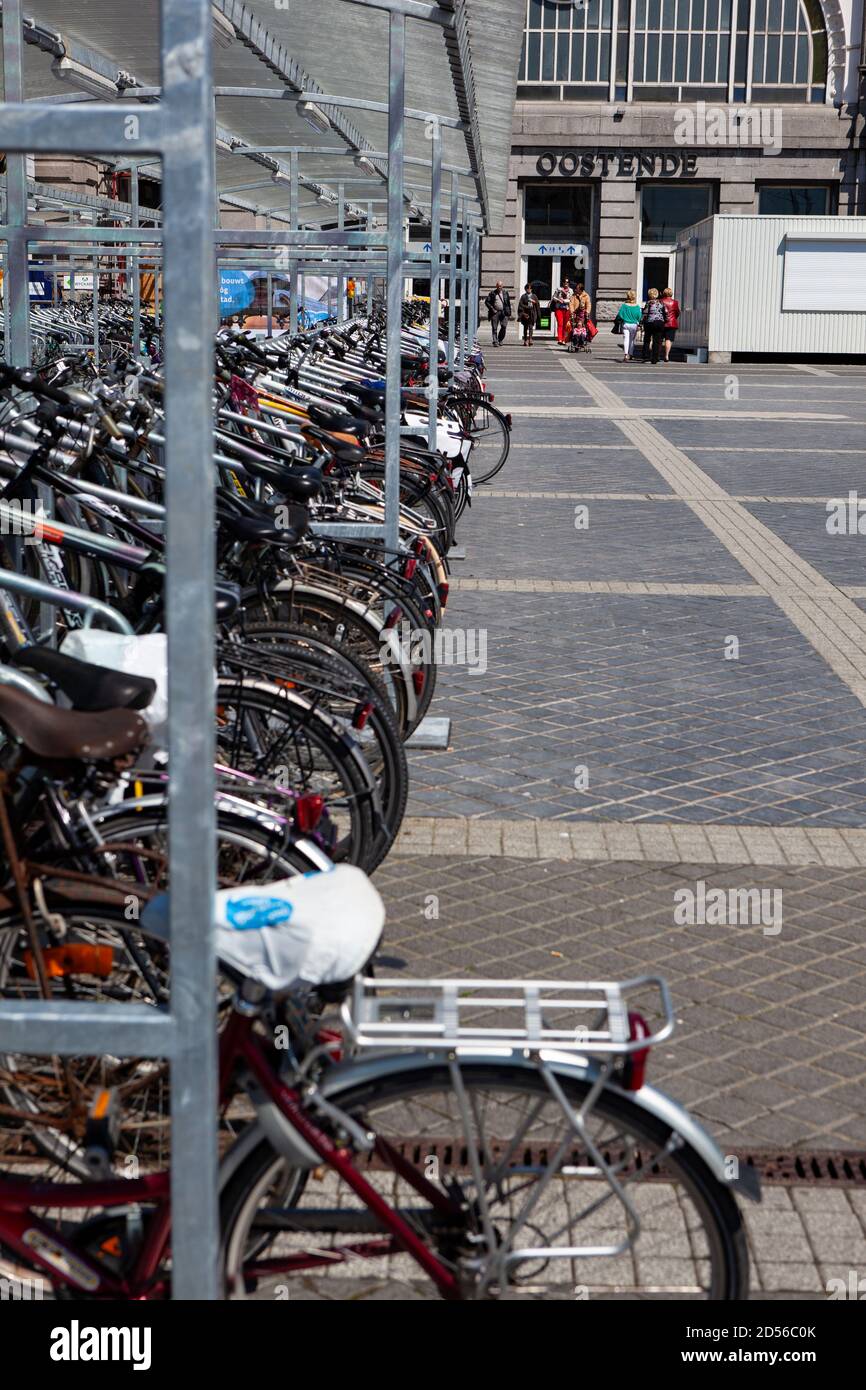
(655, 273)
(542, 273)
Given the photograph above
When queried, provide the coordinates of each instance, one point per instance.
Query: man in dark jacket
(498, 312)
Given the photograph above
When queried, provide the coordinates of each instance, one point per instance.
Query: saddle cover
(320, 928)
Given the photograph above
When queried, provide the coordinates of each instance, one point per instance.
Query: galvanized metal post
(396, 134)
(370, 284)
(452, 279)
(16, 282)
(464, 280)
(190, 289)
(474, 307)
(342, 312)
(94, 290)
(270, 333)
(136, 267)
(435, 257)
(293, 227)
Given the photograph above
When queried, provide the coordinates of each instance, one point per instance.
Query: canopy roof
(461, 65)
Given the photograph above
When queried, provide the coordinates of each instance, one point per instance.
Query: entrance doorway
(545, 274)
(655, 273)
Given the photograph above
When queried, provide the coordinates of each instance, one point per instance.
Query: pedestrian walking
(653, 320)
(528, 312)
(672, 321)
(629, 314)
(561, 312)
(350, 297)
(580, 308)
(498, 312)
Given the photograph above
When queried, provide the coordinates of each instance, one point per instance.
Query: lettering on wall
(631, 164)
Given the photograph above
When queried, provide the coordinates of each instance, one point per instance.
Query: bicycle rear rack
(587, 1017)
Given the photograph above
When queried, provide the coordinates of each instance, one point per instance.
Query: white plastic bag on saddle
(321, 928)
(134, 656)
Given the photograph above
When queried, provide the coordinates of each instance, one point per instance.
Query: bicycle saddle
(49, 732)
(88, 686)
(261, 530)
(336, 421)
(228, 599)
(320, 929)
(298, 484)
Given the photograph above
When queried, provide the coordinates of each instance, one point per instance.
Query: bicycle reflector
(74, 959)
(444, 590)
(634, 1069)
(308, 812)
(508, 421)
(418, 680)
(410, 567)
(361, 715)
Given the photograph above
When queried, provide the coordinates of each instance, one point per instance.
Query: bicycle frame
(35, 1241)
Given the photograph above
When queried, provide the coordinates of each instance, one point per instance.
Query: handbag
(590, 328)
(617, 325)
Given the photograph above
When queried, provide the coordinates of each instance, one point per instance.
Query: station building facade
(638, 118)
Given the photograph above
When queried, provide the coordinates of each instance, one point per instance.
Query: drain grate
(818, 1168)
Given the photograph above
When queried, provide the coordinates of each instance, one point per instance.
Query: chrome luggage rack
(587, 1016)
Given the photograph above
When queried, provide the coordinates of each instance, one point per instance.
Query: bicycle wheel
(693, 1239)
(491, 442)
(274, 734)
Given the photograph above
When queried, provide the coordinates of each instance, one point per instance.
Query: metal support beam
(396, 103)
(190, 289)
(435, 255)
(452, 281)
(16, 287)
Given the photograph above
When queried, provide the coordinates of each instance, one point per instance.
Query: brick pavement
(613, 743)
(616, 750)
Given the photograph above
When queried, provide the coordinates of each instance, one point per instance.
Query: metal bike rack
(179, 131)
(175, 123)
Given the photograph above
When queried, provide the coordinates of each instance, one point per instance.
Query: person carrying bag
(528, 313)
(653, 321)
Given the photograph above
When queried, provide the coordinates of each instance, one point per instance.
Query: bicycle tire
(715, 1204)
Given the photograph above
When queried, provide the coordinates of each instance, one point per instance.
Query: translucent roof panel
(329, 47)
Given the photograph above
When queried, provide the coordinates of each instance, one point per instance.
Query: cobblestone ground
(667, 689)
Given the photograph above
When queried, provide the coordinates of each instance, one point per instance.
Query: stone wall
(818, 144)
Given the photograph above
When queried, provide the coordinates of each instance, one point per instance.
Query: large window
(665, 209)
(793, 201)
(682, 41)
(557, 213)
(564, 43)
(574, 50)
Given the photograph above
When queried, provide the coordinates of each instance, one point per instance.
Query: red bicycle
(493, 1138)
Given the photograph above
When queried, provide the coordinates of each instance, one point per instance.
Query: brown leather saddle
(49, 732)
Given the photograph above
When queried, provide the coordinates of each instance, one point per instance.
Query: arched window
(789, 50)
(673, 50)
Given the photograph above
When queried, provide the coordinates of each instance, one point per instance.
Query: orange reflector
(73, 960)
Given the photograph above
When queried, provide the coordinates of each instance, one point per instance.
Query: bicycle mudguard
(669, 1112)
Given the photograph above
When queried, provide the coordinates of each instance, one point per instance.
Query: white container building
(795, 286)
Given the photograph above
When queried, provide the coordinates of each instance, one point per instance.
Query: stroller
(579, 339)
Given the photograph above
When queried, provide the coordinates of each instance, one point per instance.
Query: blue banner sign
(237, 291)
